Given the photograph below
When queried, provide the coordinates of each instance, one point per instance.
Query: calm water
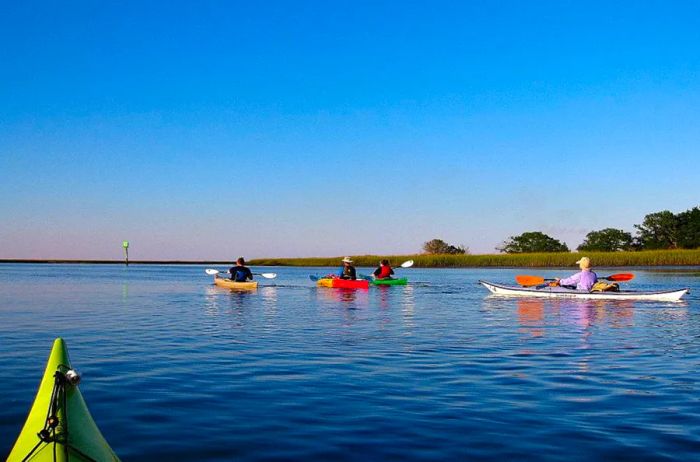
(175, 368)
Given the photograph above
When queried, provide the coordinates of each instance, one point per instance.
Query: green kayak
(59, 426)
(390, 282)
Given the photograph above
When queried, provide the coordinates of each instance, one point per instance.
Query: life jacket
(384, 272)
(605, 287)
(239, 274)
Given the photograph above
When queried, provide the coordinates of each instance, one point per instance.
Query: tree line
(659, 230)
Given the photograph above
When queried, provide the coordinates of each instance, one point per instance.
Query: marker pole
(125, 244)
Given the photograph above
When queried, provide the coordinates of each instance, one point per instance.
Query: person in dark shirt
(384, 271)
(240, 272)
(347, 271)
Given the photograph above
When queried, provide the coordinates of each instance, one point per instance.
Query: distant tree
(689, 228)
(533, 241)
(659, 231)
(607, 240)
(438, 246)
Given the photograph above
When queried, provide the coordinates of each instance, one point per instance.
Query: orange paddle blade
(620, 277)
(525, 280)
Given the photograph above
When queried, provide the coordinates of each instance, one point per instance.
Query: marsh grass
(525, 260)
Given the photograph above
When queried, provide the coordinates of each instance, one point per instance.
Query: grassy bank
(539, 260)
(534, 260)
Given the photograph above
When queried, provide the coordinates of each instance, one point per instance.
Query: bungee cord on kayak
(55, 429)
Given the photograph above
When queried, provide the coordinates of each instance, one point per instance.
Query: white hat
(347, 260)
(584, 262)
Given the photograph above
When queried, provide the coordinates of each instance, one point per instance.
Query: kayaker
(240, 272)
(384, 270)
(347, 271)
(582, 280)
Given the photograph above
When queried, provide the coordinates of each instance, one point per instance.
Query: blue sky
(210, 130)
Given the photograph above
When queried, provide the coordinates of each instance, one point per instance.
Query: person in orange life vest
(384, 270)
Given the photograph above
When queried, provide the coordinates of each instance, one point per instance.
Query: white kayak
(560, 292)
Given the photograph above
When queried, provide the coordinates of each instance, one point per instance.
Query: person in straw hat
(582, 280)
(347, 271)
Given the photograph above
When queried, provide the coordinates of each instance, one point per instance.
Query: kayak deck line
(59, 426)
(672, 295)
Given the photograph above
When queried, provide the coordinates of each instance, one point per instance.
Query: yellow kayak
(229, 284)
(59, 426)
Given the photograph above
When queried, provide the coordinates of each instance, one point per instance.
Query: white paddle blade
(407, 264)
(269, 275)
(211, 272)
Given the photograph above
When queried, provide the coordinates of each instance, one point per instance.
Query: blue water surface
(175, 368)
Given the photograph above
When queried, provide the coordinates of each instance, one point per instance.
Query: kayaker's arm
(570, 281)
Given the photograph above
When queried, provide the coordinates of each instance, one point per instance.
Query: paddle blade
(620, 277)
(211, 272)
(407, 264)
(365, 277)
(313, 277)
(269, 275)
(526, 281)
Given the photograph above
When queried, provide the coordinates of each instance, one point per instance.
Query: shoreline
(649, 258)
(112, 262)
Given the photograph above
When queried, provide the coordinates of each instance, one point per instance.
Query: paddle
(526, 281)
(316, 277)
(212, 272)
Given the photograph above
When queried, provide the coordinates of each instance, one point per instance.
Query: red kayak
(338, 283)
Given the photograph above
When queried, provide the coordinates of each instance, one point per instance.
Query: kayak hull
(390, 282)
(84, 440)
(559, 292)
(338, 283)
(229, 284)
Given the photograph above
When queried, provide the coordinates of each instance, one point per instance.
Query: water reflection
(385, 293)
(269, 301)
(673, 312)
(241, 298)
(535, 315)
(269, 296)
(211, 300)
(586, 313)
(217, 299)
(531, 316)
(349, 298)
(408, 305)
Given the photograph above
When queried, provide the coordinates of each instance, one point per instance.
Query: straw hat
(584, 262)
(347, 260)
